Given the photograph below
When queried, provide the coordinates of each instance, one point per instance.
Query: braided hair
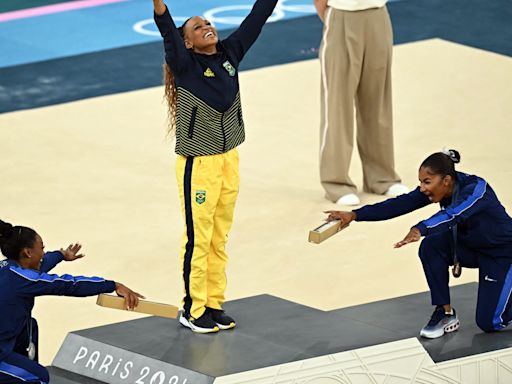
(442, 163)
(14, 238)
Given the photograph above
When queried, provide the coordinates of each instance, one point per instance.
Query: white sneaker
(397, 190)
(349, 199)
(440, 323)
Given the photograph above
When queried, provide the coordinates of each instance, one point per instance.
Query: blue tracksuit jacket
(482, 222)
(19, 287)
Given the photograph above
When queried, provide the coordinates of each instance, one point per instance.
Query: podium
(270, 332)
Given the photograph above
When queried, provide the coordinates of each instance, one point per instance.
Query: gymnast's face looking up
(200, 35)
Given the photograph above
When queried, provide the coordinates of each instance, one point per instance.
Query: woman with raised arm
(471, 230)
(205, 113)
(24, 274)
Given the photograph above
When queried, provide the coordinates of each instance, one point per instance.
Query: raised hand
(71, 252)
(159, 7)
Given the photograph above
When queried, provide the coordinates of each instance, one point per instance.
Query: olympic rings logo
(221, 15)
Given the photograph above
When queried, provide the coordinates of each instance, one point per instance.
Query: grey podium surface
(274, 331)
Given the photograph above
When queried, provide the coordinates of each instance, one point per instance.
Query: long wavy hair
(170, 95)
(170, 92)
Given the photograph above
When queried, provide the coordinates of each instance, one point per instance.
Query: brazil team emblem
(200, 197)
(231, 70)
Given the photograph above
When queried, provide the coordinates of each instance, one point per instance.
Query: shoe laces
(437, 316)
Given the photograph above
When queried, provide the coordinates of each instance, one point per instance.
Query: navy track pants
(493, 310)
(16, 367)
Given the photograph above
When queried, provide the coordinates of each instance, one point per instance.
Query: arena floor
(100, 171)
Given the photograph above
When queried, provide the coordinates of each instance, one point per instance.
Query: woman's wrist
(159, 7)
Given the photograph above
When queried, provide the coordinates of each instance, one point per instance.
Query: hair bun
(6, 229)
(453, 154)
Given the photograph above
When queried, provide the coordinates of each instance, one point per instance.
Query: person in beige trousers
(355, 55)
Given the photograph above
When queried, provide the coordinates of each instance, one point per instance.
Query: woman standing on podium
(205, 113)
(23, 276)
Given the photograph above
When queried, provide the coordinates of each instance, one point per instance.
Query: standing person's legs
(341, 60)
(199, 181)
(374, 103)
(15, 368)
(223, 219)
(494, 307)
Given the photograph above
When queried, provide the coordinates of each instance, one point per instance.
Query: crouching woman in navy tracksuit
(472, 230)
(23, 276)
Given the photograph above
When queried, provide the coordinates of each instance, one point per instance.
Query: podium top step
(270, 331)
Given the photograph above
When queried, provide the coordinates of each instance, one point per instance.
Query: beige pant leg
(374, 104)
(341, 60)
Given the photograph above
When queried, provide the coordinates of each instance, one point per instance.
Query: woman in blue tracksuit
(23, 276)
(472, 230)
(205, 114)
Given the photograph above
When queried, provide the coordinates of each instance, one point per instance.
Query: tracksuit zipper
(192, 123)
(223, 133)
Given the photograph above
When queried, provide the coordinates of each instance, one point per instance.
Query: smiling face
(200, 35)
(31, 257)
(436, 187)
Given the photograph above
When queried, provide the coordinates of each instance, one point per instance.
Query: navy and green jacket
(482, 222)
(19, 287)
(209, 112)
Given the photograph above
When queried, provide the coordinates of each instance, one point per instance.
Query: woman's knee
(428, 246)
(45, 376)
(42, 374)
(436, 247)
(26, 370)
(486, 323)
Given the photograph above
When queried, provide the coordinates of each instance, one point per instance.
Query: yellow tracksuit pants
(208, 187)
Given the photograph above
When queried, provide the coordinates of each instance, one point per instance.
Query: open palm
(71, 252)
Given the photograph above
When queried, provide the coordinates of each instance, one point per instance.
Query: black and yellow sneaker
(203, 324)
(222, 320)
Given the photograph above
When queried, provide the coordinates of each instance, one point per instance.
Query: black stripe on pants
(189, 248)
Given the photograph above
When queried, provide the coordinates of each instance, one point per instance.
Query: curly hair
(170, 95)
(170, 92)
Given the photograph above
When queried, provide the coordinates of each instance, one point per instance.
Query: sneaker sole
(225, 327)
(195, 328)
(450, 327)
